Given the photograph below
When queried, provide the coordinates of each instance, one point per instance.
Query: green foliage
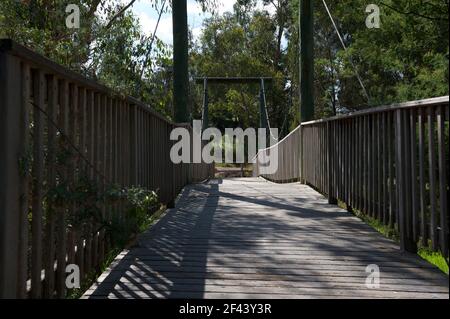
(406, 59)
(433, 257)
(140, 205)
(106, 49)
(243, 43)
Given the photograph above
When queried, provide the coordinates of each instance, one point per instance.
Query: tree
(406, 59)
(240, 44)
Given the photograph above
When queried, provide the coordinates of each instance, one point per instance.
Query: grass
(433, 257)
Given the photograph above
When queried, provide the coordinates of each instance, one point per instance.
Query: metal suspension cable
(345, 49)
(267, 115)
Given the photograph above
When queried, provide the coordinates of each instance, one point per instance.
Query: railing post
(11, 148)
(407, 242)
(330, 160)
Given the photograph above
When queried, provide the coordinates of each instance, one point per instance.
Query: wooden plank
(22, 268)
(359, 177)
(366, 166)
(134, 146)
(72, 163)
(422, 183)
(103, 171)
(379, 169)
(406, 166)
(63, 123)
(432, 177)
(391, 172)
(37, 183)
(52, 111)
(232, 250)
(11, 144)
(414, 181)
(374, 163)
(354, 162)
(385, 186)
(407, 243)
(330, 146)
(91, 154)
(443, 182)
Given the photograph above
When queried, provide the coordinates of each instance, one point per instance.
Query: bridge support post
(13, 120)
(407, 242)
(180, 61)
(306, 60)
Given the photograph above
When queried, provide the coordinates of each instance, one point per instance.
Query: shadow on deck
(249, 238)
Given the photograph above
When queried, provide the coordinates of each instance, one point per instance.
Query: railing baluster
(432, 177)
(413, 165)
(24, 184)
(37, 172)
(385, 190)
(422, 183)
(52, 111)
(443, 182)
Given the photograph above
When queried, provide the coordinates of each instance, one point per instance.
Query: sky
(148, 17)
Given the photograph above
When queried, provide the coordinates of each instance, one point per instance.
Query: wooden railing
(390, 163)
(58, 128)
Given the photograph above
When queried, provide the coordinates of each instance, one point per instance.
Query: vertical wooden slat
(37, 184)
(432, 177)
(385, 146)
(91, 154)
(61, 219)
(422, 183)
(330, 159)
(73, 162)
(406, 166)
(391, 171)
(11, 144)
(443, 212)
(51, 180)
(354, 162)
(340, 151)
(379, 169)
(366, 164)
(108, 168)
(102, 171)
(413, 165)
(402, 151)
(134, 146)
(400, 181)
(357, 138)
(22, 268)
(80, 240)
(374, 160)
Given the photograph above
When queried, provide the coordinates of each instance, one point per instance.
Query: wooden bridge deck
(249, 238)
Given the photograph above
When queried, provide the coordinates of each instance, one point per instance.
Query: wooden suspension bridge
(275, 235)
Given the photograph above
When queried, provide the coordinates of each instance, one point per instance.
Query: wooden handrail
(412, 104)
(389, 163)
(59, 128)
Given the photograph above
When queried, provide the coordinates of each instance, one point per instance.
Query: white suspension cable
(267, 115)
(345, 49)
